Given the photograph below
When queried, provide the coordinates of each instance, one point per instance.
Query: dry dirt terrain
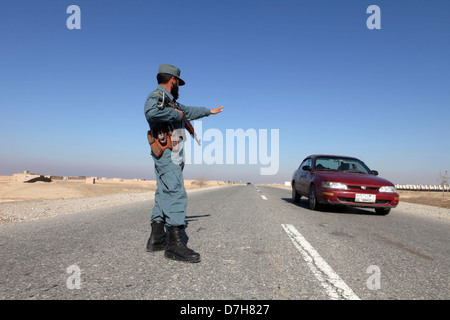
(21, 201)
(19, 191)
(430, 198)
(11, 191)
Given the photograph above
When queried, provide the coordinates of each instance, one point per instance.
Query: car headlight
(391, 189)
(334, 185)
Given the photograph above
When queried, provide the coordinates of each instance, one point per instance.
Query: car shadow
(303, 203)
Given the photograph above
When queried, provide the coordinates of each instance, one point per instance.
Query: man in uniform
(162, 112)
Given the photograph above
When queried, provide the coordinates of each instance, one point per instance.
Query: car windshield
(340, 164)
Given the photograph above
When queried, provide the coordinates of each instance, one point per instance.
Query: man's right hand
(181, 113)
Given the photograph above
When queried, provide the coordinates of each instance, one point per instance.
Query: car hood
(356, 178)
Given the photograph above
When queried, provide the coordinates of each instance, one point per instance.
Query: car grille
(346, 199)
(359, 188)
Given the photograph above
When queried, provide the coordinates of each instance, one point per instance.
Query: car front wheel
(313, 204)
(295, 196)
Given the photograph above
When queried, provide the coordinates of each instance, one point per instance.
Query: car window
(304, 163)
(308, 162)
(340, 164)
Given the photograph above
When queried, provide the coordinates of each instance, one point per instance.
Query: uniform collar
(161, 88)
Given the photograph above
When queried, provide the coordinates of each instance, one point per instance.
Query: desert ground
(431, 198)
(21, 201)
(11, 191)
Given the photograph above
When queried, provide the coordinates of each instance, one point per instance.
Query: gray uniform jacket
(160, 116)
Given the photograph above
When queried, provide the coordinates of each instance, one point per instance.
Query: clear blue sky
(72, 101)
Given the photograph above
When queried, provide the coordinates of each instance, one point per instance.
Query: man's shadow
(186, 224)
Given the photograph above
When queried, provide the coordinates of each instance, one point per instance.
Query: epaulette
(157, 92)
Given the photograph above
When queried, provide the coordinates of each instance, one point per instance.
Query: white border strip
(335, 287)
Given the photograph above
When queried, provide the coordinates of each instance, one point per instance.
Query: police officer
(170, 196)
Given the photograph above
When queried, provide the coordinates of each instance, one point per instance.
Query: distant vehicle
(249, 183)
(342, 180)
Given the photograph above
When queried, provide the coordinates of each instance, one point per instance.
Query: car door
(296, 177)
(303, 179)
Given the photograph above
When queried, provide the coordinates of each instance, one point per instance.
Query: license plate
(370, 198)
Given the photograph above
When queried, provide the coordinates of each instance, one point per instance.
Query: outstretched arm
(193, 113)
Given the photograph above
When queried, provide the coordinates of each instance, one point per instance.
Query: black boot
(176, 248)
(158, 239)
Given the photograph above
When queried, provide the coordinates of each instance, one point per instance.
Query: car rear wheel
(382, 212)
(313, 204)
(295, 196)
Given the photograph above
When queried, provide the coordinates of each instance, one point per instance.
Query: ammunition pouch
(162, 139)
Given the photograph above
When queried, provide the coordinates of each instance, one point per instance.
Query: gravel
(14, 212)
(20, 211)
(424, 210)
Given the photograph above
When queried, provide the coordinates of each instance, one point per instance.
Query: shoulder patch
(160, 98)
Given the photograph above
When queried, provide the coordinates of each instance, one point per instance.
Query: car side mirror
(375, 172)
(306, 168)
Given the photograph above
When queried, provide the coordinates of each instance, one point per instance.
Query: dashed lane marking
(264, 197)
(334, 286)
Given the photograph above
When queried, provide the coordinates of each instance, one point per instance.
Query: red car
(341, 180)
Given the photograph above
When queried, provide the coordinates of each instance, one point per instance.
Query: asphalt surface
(255, 244)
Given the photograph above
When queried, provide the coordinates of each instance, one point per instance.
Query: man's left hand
(217, 110)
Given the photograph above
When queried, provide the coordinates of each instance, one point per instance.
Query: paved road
(255, 244)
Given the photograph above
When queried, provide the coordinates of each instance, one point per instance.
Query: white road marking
(264, 197)
(335, 287)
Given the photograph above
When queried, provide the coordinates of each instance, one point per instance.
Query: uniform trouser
(170, 196)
